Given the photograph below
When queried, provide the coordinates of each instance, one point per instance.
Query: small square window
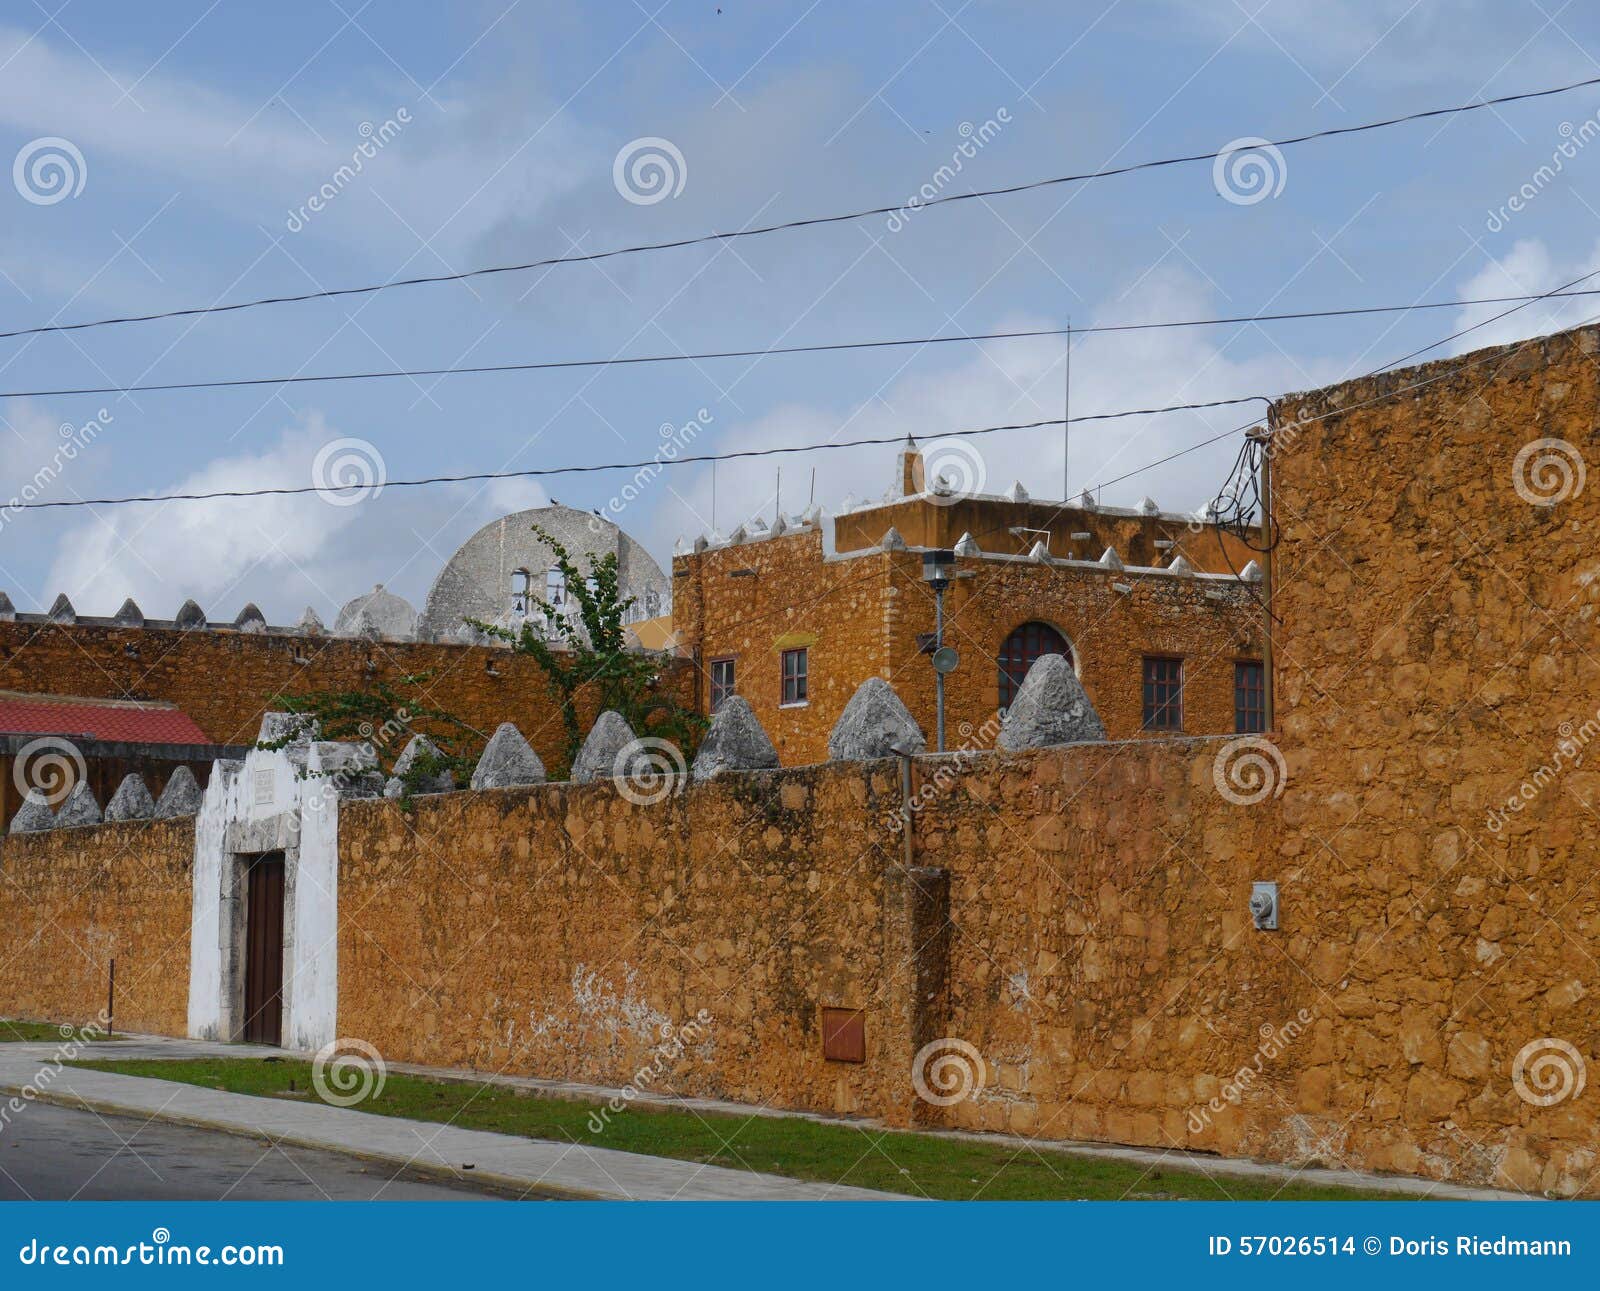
(844, 1035)
(1249, 696)
(722, 682)
(794, 677)
(1163, 693)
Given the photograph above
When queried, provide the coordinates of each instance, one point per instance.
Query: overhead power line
(659, 462)
(778, 350)
(810, 222)
(656, 462)
(1172, 457)
(1565, 289)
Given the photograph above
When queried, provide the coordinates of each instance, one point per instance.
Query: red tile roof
(126, 721)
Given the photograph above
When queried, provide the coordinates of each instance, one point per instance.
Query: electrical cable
(758, 231)
(375, 486)
(820, 348)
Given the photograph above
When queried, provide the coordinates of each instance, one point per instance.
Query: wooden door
(263, 942)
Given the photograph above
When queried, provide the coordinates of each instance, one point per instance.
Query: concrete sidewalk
(742, 1184)
(504, 1161)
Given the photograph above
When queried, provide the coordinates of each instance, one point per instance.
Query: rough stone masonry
(1435, 603)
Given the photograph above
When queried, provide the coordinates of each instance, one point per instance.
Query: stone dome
(390, 616)
(493, 575)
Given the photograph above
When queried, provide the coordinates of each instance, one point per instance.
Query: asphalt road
(50, 1153)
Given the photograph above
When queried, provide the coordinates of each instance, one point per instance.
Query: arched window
(521, 593)
(555, 587)
(1020, 649)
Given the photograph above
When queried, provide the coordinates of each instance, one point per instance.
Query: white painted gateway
(263, 951)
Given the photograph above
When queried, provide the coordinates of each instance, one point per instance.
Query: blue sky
(204, 130)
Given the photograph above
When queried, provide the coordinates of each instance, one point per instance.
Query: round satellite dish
(945, 659)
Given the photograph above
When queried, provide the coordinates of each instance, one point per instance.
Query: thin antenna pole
(1066, 421)
(777, 498)
(811, 498)
(713, 496)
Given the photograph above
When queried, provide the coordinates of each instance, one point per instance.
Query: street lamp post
(935, 572)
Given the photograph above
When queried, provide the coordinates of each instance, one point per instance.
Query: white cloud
(443, 171)
(1398, 42)
(162, 553)
(47, 458)
(282, 552)
(1018, 381)
(1528, 269)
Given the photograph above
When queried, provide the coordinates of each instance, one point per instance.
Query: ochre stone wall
(1078, 916)
(1098, 949)
(565, 931)
(990, 522)
(74, 899)
(226, 680)
(838, 610)
(1096, 954)
(1110, 632)
(1439, 658)
(862, 617)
